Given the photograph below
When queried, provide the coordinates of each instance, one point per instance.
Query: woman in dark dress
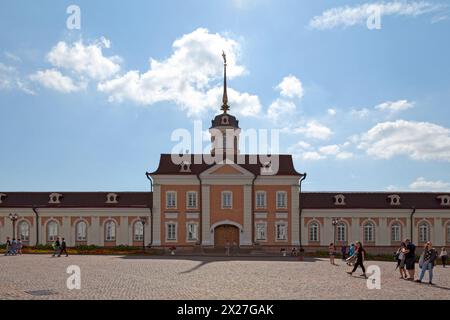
(361, 255)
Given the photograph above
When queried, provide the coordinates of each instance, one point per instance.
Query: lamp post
(335, 222)
(13, 217)
(143, 221)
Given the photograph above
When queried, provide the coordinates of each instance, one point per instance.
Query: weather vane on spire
(225, 106)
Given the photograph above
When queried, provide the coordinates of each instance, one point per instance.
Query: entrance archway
(226, 233)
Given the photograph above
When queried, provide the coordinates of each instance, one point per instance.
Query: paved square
(129, 277)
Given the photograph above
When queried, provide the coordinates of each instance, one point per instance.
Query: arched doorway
(224, 233)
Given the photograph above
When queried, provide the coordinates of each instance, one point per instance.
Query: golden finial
(225, 106)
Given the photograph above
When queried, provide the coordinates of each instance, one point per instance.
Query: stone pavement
(131, 277)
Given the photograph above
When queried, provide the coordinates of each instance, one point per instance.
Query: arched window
(314, 232)
(341, 232)
(424, 232)
(396, 232)
(138, 231)
(448, 233)
(369, 232)
(52, 231)
(110, 231)
(24, 231)
(81, 230)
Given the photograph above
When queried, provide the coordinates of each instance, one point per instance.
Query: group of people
(356, 256)
(59, 247)
(13, 247)
(406, 260)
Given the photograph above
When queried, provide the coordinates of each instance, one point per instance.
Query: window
(192, 231)
(227, 200)
(110, 231)
(261, 231)
(52, 231)
(281, 199)
(395, 232)
(341, 232)
(24, 231)
(424, 232)
(281, 231)
(171, 199)
(191, 199)
(314, 232)
(81, 231)
(369, 232)
(260, 199)
(138, 231)
(171, 234)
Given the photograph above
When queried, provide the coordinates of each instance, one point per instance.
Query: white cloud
(331, 112)
(330, 150)
(53, 79)
(280, 108)
(395, 106)
(305, 151)
(85, 59)
(290, 87)
(360, 113)
(417, 140)
(425, 185)
(191, 77)
(357, 15)
(10, 79)
(344, 155)
(12, 56)
(312, 155)
(314, 129)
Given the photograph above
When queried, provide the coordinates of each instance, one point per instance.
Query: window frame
(344, 225)
(313, 225)
(264, 205)
(366, 226)
(54, 237)
(168, 224)
(191, 223)
(285, 225)
(398, 232)
(195, 193)
(77, 239)
(285, 200)
(135, 234)
(427, 234)
(110, 239)
(264, 228)
(19, 230)
(171, 192)
(222, 204)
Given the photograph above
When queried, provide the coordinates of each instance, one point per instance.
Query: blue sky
(359, 109)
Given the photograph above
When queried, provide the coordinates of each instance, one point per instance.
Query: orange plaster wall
(236, 213)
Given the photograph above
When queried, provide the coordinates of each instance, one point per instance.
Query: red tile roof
(167, 166)
(77, 199)
(372, 200)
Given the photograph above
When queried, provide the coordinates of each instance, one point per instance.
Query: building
(226, 198)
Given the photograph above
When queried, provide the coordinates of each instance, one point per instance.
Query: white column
(437, 232)
(327, 232)
(355, 234)
(295, 215)
(156, 215)
(382, 236)
(122, 232)
(206, 219)
(94, 232)
(66, 232)
(304, 232)
(246, 236)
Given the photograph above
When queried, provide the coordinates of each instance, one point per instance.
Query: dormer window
(55, 197)
(445, 200)
(225, 120)
(185, 166)
(112, 198)
(339, 200)
(394, 199)
(2, 197)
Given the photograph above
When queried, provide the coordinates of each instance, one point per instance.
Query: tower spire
(225, 106)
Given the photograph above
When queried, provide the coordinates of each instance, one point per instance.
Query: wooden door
(225, 233)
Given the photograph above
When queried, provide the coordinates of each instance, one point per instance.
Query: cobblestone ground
(125, 277)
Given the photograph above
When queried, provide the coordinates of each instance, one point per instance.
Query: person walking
(14, 247)
(426, 262)
(410, 259)
(56, 247)
(63, 248)
(332, 253)
(400, 254)
(19, 246)
(8, 246)
(444, 256)
(344, 251)
(361, 256)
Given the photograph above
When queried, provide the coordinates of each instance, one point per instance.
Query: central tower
(224, 128)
